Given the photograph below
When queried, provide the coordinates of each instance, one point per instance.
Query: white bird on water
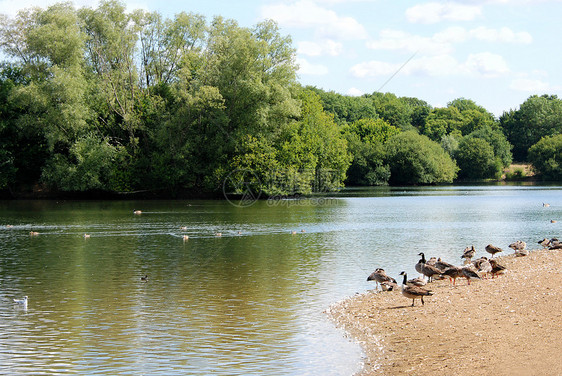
(22, 302)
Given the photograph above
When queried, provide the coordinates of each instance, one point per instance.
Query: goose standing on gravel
(497, 269)
(469, 273)
(428, 270)
(492, 249)
(518, 245)
(453, 273)
(468, 254)
(419, 281)
(483, 266)
(413, 292)
(380, 276)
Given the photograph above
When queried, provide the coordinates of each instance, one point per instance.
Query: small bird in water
(22, 302)
(144, 278)
(185, 238)
(33, 233)
(137, 212)
(86, 236)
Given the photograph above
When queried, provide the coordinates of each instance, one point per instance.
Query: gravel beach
(510, 325)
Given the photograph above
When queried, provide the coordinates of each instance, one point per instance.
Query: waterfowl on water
(468, 254)
(218, 234)
(33, 233)
(497, 269)
(86, 236)
(413, 292)
(21, 301)
(144, 278)
(492, 249)
(183, 228)
(380, 276)
(137, 212)
(185, 238)
(546, 205)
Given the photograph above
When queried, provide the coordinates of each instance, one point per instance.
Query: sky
(494, 52)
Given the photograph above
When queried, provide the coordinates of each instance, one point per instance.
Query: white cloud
(486, 64)
(321, 48)
(436, 12)
(354, 92)
(307, 14)
(505, 35)
(307, 68)
(533, 85)
(400, 40)
(482, 64)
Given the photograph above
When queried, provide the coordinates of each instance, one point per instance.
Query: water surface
(248, 302)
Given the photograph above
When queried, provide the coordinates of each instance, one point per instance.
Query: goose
(545, 205)
(428, 270)
(380, 276)
(33, 233)
(442, 265)
(518, 245)
(453, 273)
(545, 242)
(185, 238)
(492, 249)
(144, 278)
(22, 302)
(482, 266)
(468, 254)
(218, 234)
(86, 236)
(293, 232)
(469, 274)
(521, 252)
(416, 282)
(413, 292)
(556, 245)
(137, 212)
(183, 228)
(497, 268)
(389, 286)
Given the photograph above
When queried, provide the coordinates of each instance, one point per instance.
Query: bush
(476, 159)
(546, 158)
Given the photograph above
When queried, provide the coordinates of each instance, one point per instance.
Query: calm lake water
(250, 302)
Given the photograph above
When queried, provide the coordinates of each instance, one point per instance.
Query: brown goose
(518, 245)
(483, 266)
(468, 254)
(428, 270)
(469, 274)
(453, 273)
(413, 292)
(497, 269)
(442, 265)
(492, 249)
(380, 276)
(419, 281)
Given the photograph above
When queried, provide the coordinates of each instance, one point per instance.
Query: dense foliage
(546, 157)
(103, 99)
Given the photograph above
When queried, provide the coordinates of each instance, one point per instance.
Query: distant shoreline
(509, 325)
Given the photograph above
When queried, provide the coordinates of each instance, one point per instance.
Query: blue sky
(495, 52)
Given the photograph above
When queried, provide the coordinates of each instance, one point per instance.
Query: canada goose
(33, 233)
(389, 286)
(183, 228)
(303, 230)
(185, 238)
(468, 254)
(453, 273)
(553, 221)
(518, 245)
(492, 249)
(428, 270)
(413, 292)
(380, 276)
(497, 268)
(218, 234)
(137, 212)
(555, 245)
(293, 232)
(144, 278)
(545, 242)
(545, 205)
(416, 282)
(86, 236)
(468, 273)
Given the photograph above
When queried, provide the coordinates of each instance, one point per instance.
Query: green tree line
(105, 99)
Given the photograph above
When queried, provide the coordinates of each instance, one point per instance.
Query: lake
(248, 302)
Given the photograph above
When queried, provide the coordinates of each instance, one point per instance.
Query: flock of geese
(482, 267)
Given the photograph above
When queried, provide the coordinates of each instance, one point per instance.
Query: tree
(537, 117)
(476, 159)
(415, 159)
(546, 157)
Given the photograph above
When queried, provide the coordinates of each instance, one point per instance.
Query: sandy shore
(510, 325)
